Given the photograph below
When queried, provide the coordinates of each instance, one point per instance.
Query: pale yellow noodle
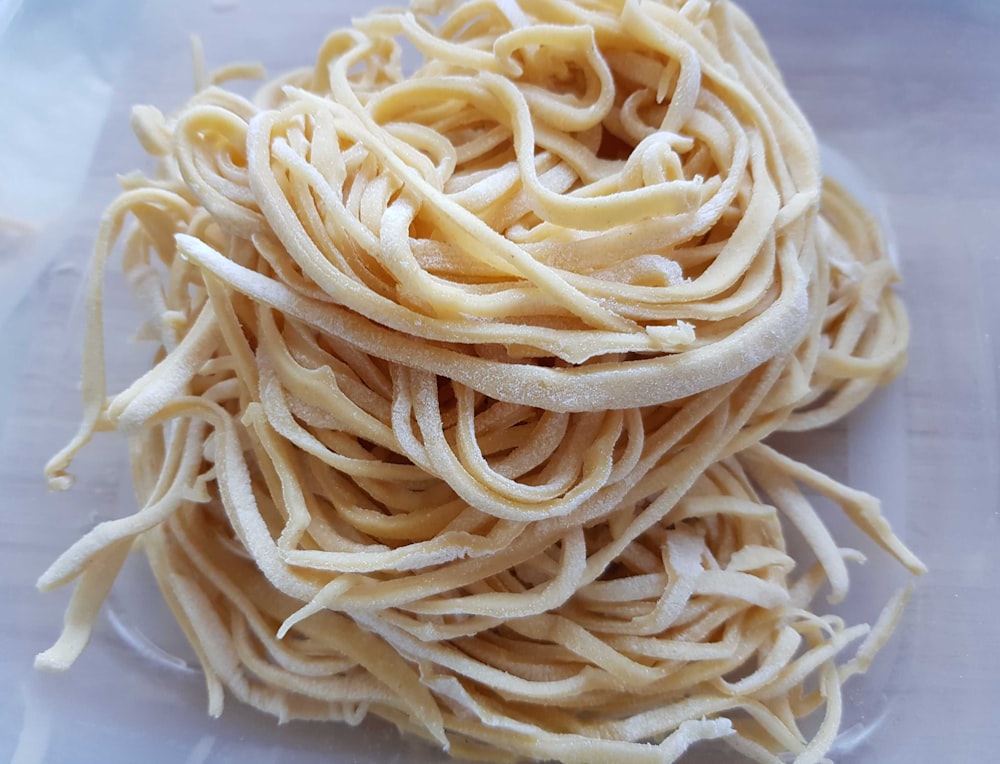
(462, 377)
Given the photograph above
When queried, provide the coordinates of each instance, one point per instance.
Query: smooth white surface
(905, 88)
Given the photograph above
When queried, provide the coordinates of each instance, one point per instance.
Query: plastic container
(905, 89)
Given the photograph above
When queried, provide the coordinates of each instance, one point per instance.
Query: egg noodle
(462, 378)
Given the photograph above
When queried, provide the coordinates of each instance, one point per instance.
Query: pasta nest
(462, 374)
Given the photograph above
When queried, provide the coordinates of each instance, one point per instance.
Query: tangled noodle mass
(462, 380)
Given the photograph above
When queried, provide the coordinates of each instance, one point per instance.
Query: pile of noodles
(462, 377)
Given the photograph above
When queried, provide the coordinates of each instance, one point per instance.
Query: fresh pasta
(463, 379)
